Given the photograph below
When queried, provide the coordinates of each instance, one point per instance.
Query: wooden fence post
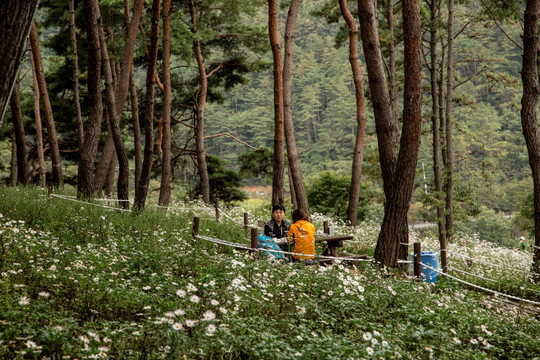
(246, 223)
(195, 230)
(254, 241)
(217, 209)
(417, 259)
(326, 229)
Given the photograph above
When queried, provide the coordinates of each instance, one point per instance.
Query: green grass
(79, 281)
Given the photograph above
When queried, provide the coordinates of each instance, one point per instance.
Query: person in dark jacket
(277, 227)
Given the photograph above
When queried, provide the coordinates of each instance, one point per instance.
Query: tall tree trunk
(141, 190)
(102, 167)
(384, 117)
(166, 170)
(393, 233)
(529, 103)
(395, 228)
(201, 103)
(39, 131)
(13, 167)
(279, 158)
(120, 93)
(449, 185)
(356, 173)
(136, 126)
(127, 61)
(114, 120)
(89, 148)
(392, 57)
(109, 179)
(442, 112)
(292, 153)
(75, 55)
(435, 117)
(20, 139)
(291, 190)
(159, 138)
(15, 21)
(58, 178)
(134, 109)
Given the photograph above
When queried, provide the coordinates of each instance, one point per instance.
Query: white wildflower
(209, 315)
(24, 301)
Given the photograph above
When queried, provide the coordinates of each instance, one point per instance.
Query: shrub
(329, 194)
(224, 183)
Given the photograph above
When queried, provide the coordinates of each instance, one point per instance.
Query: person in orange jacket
(302, 234)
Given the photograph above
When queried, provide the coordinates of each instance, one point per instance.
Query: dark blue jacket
(272, 230)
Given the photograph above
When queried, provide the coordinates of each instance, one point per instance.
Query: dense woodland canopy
(222, 103)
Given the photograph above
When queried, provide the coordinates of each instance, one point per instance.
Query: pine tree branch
(233, 137)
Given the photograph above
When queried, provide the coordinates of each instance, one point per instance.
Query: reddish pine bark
(356, 173)
(58, 178)
(529, 102)
(292, 153)
(89, 148)
(166, 166)
(15, 21)
(279, 158)
(141, 190)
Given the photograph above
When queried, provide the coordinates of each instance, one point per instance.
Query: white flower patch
(209, 315)
(24, 301)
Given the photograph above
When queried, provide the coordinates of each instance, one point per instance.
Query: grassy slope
(81, 281)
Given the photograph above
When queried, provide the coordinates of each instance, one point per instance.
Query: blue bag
(267, 244)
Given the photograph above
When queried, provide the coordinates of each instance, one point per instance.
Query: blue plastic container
(431, 259)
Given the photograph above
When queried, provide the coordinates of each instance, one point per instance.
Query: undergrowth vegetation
(79, 281)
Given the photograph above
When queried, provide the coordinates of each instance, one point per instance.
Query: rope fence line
(493, 265)
(238, 245)
(163, 207)
(405, 262)
(227, 216)
(112, 199)
(471, 274)
(95, 199)
(66, 197)
(223, 242)
(496, 293)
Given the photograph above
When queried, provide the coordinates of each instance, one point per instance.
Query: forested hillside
(491, 158)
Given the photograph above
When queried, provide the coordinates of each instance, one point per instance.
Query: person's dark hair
(278, 207)
(299, 214)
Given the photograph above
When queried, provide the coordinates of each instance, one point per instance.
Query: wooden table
(334, 242)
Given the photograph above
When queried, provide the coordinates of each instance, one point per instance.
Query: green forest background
(492, 174)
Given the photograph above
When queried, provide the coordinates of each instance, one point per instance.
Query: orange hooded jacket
(302, 234)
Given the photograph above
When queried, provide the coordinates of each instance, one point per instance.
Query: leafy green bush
(257, 164)
(466, 204)
(329, 194)
(491, 226)
(224, 183)
(526, 213)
